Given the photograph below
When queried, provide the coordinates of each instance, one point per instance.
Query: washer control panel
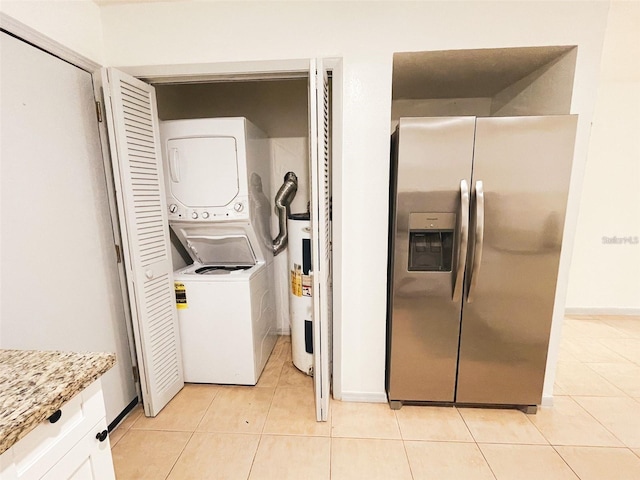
(236, 210)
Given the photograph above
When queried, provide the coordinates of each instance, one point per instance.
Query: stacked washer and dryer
(217, 173)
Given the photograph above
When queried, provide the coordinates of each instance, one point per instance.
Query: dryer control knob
(205, 215)
(238, 207)
(194, 215)
(173, 208)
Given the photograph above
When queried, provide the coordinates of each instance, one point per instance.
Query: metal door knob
(102, 436)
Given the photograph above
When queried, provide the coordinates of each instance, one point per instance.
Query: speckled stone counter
(34, 384)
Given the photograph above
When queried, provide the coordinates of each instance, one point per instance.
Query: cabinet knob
(55, 416)
(102, 436)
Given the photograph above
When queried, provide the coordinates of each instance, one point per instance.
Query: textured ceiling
(466, 73)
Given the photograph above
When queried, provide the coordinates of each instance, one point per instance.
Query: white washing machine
(227, 322)
(217, 182)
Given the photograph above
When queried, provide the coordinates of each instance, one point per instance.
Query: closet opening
(263, 128)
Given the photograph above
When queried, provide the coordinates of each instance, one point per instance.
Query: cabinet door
(89, 459)
(47, 443)
(132, 121)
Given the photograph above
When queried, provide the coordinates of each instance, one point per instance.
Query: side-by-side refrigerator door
(521, 173)
(429, 221)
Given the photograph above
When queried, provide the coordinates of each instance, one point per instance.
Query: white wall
(60, 280)
(365, 35)
(288, 154)
(605, 278)
(547, 91)
(75, 24)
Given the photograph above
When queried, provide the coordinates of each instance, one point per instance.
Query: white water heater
(300, 291)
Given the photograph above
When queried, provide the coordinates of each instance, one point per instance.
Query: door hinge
(99, 111)
(136, 374)
(118, 254)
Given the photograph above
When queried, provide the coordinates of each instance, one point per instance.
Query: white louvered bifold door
(321, 232)
(132, 121)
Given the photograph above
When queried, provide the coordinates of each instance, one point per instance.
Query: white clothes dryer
(227, 322)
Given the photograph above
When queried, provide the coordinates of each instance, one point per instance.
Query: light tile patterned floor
(269, 431)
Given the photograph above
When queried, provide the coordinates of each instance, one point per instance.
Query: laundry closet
(214, 226)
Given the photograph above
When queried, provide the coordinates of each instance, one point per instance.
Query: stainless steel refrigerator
(477, 208)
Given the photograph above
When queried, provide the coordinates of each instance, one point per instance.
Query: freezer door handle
(479, 239)
(464, 240)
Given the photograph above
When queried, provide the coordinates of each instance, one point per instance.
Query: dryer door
(203, 170)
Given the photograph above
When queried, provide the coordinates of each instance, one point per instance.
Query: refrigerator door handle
(464, 240)
(479, 239)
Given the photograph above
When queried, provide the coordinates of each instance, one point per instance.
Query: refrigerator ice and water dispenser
(431, 238)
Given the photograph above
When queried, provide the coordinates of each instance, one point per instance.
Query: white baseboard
(365, 397)
(601, 311)
(284, 331)
(547, 401)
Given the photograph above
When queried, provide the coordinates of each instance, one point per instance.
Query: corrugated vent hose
(283, 200)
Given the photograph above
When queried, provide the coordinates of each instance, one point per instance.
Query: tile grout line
(126, 430)
(486, 461)
(206, 410)
(574, 397)
(261, 433)
(599, 340)
(596, 419)
(537, 428)
(402, 439)
(565, 461)
(588, 365)
(330, 455)
(255, 454)
(404, 445)
(475, 441)
(624, 332)
(179, 455)
(273, 396)
(605, 379)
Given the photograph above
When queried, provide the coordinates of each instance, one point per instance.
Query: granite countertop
(34, 384)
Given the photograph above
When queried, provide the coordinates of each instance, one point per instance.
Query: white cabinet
(89, 459)
(66, 448)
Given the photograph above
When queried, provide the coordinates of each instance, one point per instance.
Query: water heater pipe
(284, 197)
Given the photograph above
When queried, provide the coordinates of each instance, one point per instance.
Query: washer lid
(221, 249)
